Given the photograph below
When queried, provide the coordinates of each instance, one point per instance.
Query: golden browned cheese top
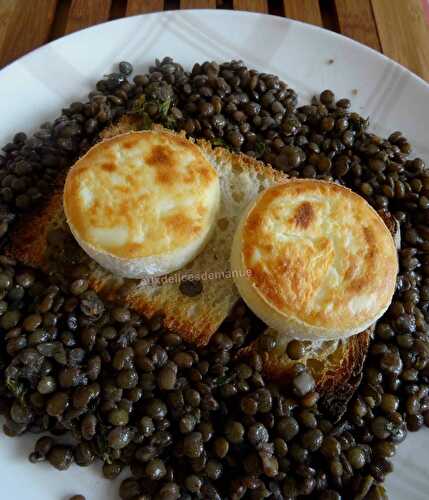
(141, 194)
(318, 252)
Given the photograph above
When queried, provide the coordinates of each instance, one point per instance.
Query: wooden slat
(6, 15)
(24, 26)
(60, 20)
(253, 5)
(307, 11)
(135, 7)
(403, 32)
(197, 4)
(84, 13)
(356, 20)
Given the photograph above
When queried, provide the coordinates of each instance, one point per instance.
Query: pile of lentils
(188, 423)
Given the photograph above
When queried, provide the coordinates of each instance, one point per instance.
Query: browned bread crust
(28, 238)
(330, 369)
(336, 372)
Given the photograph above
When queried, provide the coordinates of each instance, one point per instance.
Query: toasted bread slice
(331, 362)
(336, 365)
(195, 317)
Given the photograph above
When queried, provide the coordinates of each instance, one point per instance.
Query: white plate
(36, 87)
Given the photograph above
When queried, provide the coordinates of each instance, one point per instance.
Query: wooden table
(398, 28)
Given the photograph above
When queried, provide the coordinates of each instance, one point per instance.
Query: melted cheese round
(314, 260)
(146, 200)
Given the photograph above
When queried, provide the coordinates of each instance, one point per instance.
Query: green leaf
(16, 388)
(164, 107)
(218, 141)
(141, 105)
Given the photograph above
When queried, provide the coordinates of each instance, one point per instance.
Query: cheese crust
(314, 260)
(142, 203)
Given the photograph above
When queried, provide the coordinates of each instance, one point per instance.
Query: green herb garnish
(259, 149)
(164, 107)
(140, 108)
(16, 388)
(225, 379)
(218, 141)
